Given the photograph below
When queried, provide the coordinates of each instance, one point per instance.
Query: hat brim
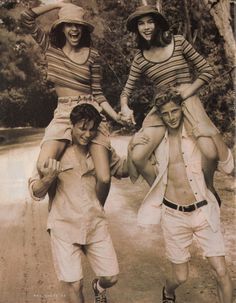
(131, 22)
(60, 21)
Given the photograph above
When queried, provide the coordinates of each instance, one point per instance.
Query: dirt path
(26, 271)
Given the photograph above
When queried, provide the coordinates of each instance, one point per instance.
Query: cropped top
(173, 71)
(62, 71)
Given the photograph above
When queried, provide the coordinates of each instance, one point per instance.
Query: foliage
(25, 92)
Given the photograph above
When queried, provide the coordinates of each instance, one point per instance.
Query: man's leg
(67, 260)
(178, 277)
(102, 257)
(224, 283)
(100, 285)
(76, 291)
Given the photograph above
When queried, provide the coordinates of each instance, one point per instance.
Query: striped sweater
(62, 71)
(173, 71)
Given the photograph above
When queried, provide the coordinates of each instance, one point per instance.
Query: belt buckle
(190, 208)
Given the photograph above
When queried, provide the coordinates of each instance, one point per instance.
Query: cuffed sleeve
(35, 177)
(226, 166)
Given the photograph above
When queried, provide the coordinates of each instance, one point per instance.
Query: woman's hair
(58, 39)
(85, 112)
(159, 37)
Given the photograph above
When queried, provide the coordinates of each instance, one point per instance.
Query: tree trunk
(94, 6)
(187, 22)
(159, 5)
(220, 10)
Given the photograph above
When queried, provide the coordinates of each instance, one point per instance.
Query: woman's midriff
(65, 91)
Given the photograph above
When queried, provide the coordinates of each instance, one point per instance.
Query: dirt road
(26, 271)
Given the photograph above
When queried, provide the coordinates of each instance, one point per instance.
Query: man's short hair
(85, 112)
(165, 96)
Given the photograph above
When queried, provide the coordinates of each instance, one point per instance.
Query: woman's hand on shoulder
(138, 139)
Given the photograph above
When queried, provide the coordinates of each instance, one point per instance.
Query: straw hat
(71, 13)
(141, 11)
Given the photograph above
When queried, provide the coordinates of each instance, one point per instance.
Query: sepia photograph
(117, 151)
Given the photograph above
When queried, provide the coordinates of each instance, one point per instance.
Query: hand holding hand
(128, 115)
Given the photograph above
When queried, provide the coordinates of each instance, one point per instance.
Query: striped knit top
(61, 70)
(173, 71)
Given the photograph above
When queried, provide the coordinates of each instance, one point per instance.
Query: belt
(184, 208)
(75, 98)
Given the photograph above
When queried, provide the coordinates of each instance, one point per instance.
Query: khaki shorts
(179, 229)
(60, 127)
(67, 258)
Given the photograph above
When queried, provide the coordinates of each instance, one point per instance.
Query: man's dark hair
(167, 95)
(58, 39)
(85, 112)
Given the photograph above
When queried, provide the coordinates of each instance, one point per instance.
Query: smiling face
(171, 115)
(73, 33)
(146, 27)
(83, 132)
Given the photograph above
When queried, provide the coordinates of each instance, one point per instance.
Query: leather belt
(185, 208)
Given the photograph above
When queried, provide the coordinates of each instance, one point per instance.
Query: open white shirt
(150, 210)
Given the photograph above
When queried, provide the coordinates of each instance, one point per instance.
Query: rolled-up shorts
(179, 229)
(60, 127)
(67, 258)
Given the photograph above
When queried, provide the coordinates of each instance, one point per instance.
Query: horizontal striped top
(62, 71)
(173, 71)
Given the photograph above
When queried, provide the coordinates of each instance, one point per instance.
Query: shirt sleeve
(96, 80)
(117, 165)
(134, 75)
(35, 177)
(226, 166)
(28, 20)
(205, 71)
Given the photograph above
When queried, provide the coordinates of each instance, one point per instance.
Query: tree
(220, 10)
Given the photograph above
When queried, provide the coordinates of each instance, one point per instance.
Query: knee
(138, 158)
(104, 178)
(77, 286)
(181, 278)
(108, 281)
(220, 273)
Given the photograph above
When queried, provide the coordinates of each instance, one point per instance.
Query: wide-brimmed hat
(141, 11)
(72, 14)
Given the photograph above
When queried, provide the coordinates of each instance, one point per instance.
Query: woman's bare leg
(100, 156)
(142, 153)
(50, 149)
